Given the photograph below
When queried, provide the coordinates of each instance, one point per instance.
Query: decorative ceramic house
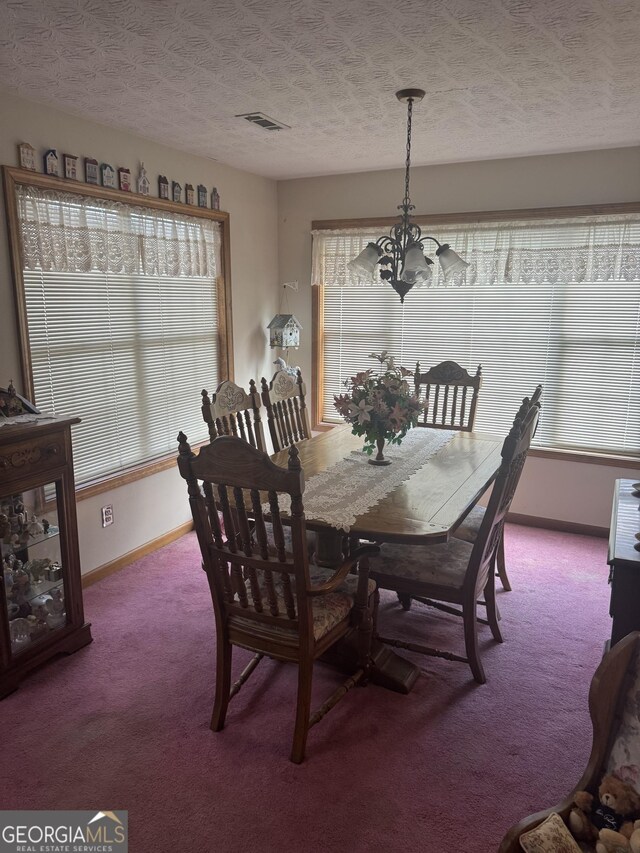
(52, 163)
(215, 199)
(70, 166)
(284, 331)
(163, 187)
(190, 196)
(124, 179)
(202, 195)
(143, 181)
(108, 175)
(27, 156)
(176, 191)
(91, 170)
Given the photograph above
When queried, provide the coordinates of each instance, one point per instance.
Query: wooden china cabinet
(41, 612)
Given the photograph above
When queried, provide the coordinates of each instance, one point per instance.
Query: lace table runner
(351, 486)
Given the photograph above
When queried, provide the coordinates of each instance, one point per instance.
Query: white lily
(360, 412)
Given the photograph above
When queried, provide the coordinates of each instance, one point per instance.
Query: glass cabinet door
(34, 574)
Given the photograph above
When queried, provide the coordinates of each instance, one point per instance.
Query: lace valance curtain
(518, 252)
(63, 232)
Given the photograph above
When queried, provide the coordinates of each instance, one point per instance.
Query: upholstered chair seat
(443, 565)
(328, 610)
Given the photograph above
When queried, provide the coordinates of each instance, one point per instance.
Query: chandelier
(400, 255)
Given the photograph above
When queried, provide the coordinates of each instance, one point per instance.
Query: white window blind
(123, 323)
(551, 302)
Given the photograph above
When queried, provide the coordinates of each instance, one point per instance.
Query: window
(125, 309)
(551, 301)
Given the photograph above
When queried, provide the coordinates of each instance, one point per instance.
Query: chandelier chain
(407, 200)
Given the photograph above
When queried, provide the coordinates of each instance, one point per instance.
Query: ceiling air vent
(264, 121)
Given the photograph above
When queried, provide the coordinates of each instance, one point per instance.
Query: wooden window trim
(317, 318)
(13, 177)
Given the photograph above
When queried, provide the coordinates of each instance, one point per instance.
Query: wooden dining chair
(232, 411)
(457, 573)
(287, 414)
(449, 394)
(265, 597)
(470, 527)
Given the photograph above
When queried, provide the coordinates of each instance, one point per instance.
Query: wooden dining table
(424, 509)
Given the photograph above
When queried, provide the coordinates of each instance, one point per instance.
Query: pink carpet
(123, 723)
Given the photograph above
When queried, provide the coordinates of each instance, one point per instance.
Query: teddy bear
(634, 841)
(607, 820)
(610, 841)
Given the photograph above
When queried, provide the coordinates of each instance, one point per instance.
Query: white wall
(150, 507)
(566, 491)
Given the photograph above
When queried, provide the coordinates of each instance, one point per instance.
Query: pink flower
(397, 416)
(342, 404)
(361, 378)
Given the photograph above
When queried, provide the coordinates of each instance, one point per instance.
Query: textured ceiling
(504, 78)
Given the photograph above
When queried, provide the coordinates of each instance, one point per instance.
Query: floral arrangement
(380, 404)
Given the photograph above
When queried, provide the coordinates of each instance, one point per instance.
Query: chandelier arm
(426, 237)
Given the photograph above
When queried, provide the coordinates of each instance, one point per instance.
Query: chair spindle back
(287, 415)
(514, 453)
(232, 411)
(450, 396)
(251, 574)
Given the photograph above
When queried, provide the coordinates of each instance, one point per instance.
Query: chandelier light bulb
(365, 263)
(450, 261)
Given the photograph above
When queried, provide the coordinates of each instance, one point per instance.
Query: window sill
(610, 459)
(123, 478)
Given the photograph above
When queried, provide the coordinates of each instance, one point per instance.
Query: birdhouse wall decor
(202, 195)
(70, 166)
(27, 156)
(215, 199)
(143, 181)
(284, 331)
(108, 176)
(176, 191)
(52, 163)
(124, 179)
(91, 170)
(190, 196)
(163, 187)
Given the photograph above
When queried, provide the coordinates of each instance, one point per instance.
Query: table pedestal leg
(388, 669)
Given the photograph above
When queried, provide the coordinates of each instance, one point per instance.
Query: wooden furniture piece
(458, 573)
(41, 612)
(422, 510)
(624, 560)
(232, 411)
(450, 395)
(614, 714)
(470, 527)
(264, 596)
(287, 414)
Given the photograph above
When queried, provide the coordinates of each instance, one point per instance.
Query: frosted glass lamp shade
(450, 261)
(416, 268)
(366, 261)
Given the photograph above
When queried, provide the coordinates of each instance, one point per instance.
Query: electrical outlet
(107, 515)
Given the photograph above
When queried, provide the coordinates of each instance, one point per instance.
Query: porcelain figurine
(35, 527)
(19, 630)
